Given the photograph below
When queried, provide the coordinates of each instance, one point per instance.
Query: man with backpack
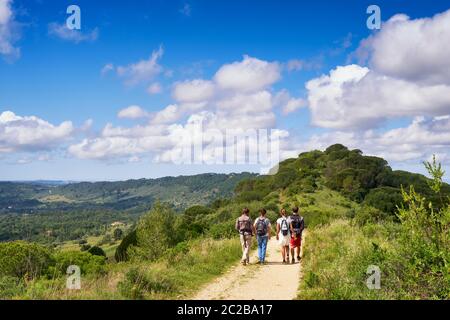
(244, 225)
(262, 228)
(297, 225)
(284, 234)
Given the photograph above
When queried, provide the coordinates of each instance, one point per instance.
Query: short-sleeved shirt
(243, 218)
(288, 222)
(266, 221)
(301, 219)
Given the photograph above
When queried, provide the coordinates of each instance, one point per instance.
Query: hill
(70, 211)
(358, 212)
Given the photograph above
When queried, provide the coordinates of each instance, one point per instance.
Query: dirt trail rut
(273, 281)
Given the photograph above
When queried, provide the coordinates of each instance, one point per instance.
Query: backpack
(284, 227)
(261, 227)
(245, 226)
(297, 224)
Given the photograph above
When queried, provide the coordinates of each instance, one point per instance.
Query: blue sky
(84, 79)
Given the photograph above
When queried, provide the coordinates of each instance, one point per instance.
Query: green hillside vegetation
(59, 213)
(358, 212)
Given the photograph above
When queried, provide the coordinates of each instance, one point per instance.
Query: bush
(222, 230)
(155, 233)
(88, 263)
(20, 259)
(118, 234)
(85, 247)
(140, 283)
(367, 215)
(10, 287)
(316, 217)
(121, 251)
(97, 251)
(196, 211)
(385, 199)
(177, 253)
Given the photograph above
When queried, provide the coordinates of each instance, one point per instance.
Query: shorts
(296, 242)
(284, 240)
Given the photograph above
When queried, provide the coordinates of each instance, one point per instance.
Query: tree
(128, 241)
(118, 234)
(155, 232)
(23, 259)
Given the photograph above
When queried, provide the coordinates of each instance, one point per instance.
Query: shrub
(97, 251)
(316, 217)
(88, 263)
(121, 251)
(85, 247)
(197, 211)
(385, 199)
(222, 230)
(19, 259)
(155, 233)
(140, 283)
(118, 234)
(177, 253)
(368, 215)
(10, 287)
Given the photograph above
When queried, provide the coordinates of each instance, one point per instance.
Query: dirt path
(273, 281)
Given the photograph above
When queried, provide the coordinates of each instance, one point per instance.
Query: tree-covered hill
(181, 192)
(54, 213)
(364, 179)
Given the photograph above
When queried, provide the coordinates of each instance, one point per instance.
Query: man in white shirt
(284, 234)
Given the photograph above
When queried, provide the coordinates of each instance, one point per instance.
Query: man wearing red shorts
(297, 224)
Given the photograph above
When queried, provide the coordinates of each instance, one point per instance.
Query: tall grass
(335, 260)
(178, 274)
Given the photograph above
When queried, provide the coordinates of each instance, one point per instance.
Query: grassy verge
(336, 258)
(177, 275)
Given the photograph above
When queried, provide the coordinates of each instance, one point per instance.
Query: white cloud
(409, 76)
(8, 30)
(193, 91)
(132, 112)
(248, 75)
(420, 139)
(62, 32)
(414, 50)
(154, 88)
(293, 105)
(355, 97)
(5, 11)
(209, 103)
(30, 133)
(107, 68)
(287, 103)
(134, 159)
(142, 71)
(168, 115)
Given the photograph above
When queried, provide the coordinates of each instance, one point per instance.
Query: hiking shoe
(293, 261)
(244, 262)
(284, 261)
(299, 258)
